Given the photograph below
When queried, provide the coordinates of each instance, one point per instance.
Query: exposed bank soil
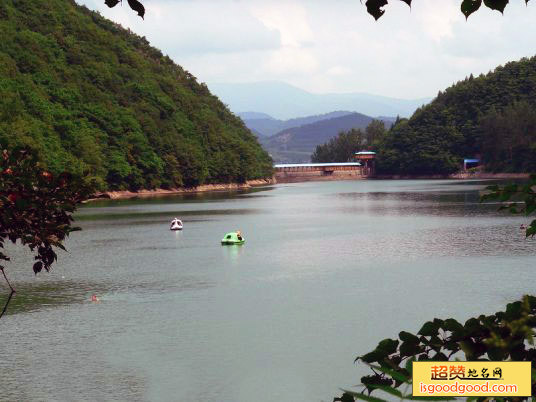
(115, 195)
(459, 175)
(484, 175)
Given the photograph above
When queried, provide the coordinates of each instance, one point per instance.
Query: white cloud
(184, 28)
(338, 70)
(333, 46)
(291, 60)
(437, 18)
(289, 18)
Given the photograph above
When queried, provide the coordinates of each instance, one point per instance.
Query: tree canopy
(91, 96)
(491, 116)
(36, 207)
(343, 147)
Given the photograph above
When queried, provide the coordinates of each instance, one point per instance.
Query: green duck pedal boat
(233, 238)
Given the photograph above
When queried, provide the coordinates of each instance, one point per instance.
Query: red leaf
(137, 6)
(38, 266)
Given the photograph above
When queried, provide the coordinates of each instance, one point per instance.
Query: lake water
(328, 270)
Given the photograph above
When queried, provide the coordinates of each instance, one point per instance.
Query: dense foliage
(91, 96)
(343, 147)
(509, 139)
(36, 207)
(517, 199)
(490, 115)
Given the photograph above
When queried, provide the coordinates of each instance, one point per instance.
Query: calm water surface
(328, 270)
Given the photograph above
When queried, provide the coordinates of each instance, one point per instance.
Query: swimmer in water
(95, 299)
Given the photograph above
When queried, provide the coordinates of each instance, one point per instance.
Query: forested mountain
(254, 115)
(343, 147)
(298, 143)
(491, 115)
(268, 126)
(91, 96)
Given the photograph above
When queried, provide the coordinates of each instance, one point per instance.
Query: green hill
(492, 115)
(93, 97)
(296, 144)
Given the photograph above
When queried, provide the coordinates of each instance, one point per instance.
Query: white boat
(176, 224)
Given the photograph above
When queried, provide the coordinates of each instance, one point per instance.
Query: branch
(10, 295)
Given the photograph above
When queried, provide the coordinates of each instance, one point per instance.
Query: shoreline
(456, 176)
(126, 194)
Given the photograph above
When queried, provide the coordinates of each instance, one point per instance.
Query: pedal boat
(176, 224)
(232, 238)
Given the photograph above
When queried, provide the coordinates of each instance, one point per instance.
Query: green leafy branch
(467, 7)
(505, 335)
(516, 198)
(36, 208)
(134, 4)
(374, 7)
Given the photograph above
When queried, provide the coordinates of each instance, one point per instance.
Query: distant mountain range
(296, 144)
(284, 101)
(263, 124)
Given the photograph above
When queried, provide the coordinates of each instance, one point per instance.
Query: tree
(375, 133)
(36, 208)
(490, 117)
(509, 138)
(343, 147)
(91, 96)
(340, 148)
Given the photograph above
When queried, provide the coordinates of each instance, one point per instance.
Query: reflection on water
(109, 214)
(328, 269)
(35, 296)
(233, 252)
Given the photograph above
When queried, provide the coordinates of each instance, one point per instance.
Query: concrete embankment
(307, 178)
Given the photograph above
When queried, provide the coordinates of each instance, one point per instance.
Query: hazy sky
(333, 45)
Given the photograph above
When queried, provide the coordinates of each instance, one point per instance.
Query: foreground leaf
(374, 8)
(468, 7)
